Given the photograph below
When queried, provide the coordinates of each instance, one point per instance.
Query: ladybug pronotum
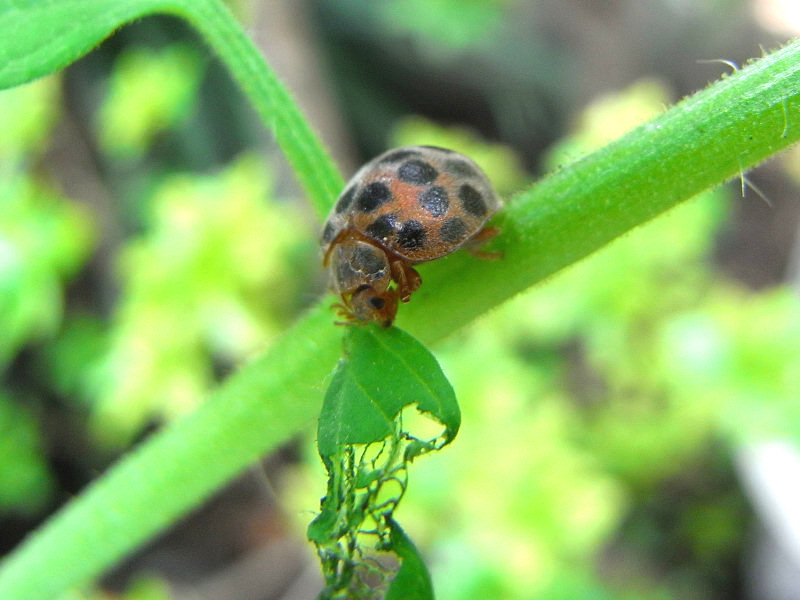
(407, 206)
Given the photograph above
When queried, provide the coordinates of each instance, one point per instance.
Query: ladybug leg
(362, 308)
(473, 245)
(345, 312)
(407, 278)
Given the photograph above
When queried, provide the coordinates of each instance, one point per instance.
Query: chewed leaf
(384, 370)
(412, 582)
(322, 528)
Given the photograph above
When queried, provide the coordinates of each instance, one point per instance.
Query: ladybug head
(367, 304)
(361, 275)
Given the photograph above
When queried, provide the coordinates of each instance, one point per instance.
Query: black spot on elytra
(460, 167)
(373, 196)
(472, 200)
(382, 227)
(398, 155)
(328, 233)
(377, 303)
(411, 235)
(453, 230)
(434, 200)
(367, 261)
(417, 172)
(345, 199)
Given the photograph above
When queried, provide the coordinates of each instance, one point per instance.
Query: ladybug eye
(377, 303)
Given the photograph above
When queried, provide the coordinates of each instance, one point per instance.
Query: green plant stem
(703, 141)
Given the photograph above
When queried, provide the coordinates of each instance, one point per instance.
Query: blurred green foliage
(438, 26)
(217, 272)
(25, 481)
(149, 91)
(44, 240)
(216, 267)
(27, 116)
(141, 588)
(443, 24)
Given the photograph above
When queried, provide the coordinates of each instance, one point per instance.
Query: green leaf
(321, 528)
(384, 370)
(412, 582)
(417, 448)
(42, 36)
(366, 477)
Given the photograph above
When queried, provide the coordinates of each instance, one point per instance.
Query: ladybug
(407, 206)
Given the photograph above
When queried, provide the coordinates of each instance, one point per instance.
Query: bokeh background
(630, 427)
